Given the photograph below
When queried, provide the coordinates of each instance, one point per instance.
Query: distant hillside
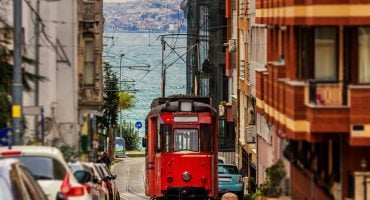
(144, 15)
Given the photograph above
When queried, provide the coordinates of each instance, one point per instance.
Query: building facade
(246, 102)
(210, 64)
(315, 92)
(90, 73)
(65, 38)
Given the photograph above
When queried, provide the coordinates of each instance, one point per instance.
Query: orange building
(316, 91)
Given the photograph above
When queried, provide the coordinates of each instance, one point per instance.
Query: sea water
(141, 68)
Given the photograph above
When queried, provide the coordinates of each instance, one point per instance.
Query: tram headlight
(185, 106)
(186, 176)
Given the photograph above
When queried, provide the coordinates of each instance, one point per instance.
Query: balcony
(309, 110)
(359, 98)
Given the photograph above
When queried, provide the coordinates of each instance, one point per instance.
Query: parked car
(49, 168)
(17, 183)
(230, 180)
(109, 178)
(91, 182)
(99, 177)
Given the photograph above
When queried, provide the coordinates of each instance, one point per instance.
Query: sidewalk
(135, 153)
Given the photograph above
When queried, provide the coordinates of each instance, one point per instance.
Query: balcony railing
(326, 93)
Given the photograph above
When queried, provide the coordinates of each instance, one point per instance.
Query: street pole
(17, 74)
(163, 88)
(37, 64)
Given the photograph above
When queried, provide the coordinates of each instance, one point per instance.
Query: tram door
(152, 128)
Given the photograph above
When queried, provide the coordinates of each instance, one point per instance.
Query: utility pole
(163, 88)
(17, 74)
(37, 58)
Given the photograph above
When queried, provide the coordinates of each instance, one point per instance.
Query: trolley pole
(17, 74)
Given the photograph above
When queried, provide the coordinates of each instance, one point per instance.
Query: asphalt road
(130, 178)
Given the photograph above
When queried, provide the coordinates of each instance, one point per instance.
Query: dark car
(92, 185)
(109, 178)
(230, 180)
(17, 183)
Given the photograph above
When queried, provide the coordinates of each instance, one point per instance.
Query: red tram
(181, 149)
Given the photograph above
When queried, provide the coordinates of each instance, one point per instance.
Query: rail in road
(130, 178)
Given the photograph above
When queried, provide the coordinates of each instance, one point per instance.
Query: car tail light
(88, 188)
(240, 179)
(71, 191)
(11, 153)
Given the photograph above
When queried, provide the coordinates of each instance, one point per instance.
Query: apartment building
(315, 92)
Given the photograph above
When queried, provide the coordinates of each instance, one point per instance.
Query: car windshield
(75, 167)
(227, 169)
(44, 167)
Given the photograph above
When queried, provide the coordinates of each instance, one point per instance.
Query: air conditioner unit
(250, 133)
(232, 45)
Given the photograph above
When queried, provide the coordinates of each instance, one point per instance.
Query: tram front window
(186, 140)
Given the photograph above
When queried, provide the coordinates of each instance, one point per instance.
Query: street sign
(138, 125)
(32, 110)
(4, 136)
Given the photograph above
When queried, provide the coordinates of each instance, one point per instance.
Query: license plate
(224, 179)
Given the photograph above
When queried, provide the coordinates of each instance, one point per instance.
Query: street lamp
(363, 167)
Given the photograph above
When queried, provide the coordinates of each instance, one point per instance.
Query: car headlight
(186, 176)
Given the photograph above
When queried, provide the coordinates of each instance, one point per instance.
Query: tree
(110, 107)
(126, 100)
(130, 135)
(6, 79)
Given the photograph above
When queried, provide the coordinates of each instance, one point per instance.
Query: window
(44, 167)
(317, 54)
(89, 69)
(326, 53)
(206, 138)
(166, 130)
(364, 54)
(186, 140)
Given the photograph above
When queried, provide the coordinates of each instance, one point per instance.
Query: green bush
(275, 174)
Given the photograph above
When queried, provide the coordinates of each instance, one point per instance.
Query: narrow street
(130, 178)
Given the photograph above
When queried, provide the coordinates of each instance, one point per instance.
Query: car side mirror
(108, 178)
(95, 179)
(82, 176)
(114, 176)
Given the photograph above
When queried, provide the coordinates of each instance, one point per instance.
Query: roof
(36, 150)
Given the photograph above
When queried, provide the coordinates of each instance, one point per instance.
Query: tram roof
(173, 106)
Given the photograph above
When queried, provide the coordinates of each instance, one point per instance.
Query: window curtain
(364, 54)
(326, 54)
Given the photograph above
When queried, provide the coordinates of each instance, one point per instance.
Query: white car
(49, 168)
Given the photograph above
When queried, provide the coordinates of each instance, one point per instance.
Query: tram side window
(158, 149)
(166, 133)
(186, 140)
(206, 138)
